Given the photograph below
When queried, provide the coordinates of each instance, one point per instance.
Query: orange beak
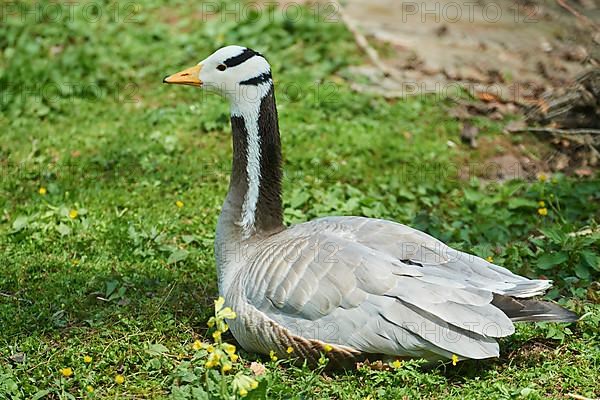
(188, 76)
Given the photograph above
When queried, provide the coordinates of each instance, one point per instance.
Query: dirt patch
(513, 50)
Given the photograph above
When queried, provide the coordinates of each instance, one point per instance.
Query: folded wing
(383, 288)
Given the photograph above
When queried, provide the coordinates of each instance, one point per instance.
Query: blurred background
(477, 122)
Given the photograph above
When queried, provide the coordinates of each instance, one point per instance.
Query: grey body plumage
(364, 287)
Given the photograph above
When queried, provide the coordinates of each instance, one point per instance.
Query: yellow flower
(327, 348)
(213, 360)
(272, 355)
(66, 372)
(229, 348)
(396, 364)
(87, 359)
(490, 259)
(226, 367)
(543, 211)
(216, 335)
(253, 384)
(243, 392)
(42, 190)
(73, 214)
(219, 303)
(197, 345)
(89, 389)
(454, 359)
(289, 350)
(120, 379)
(542, 178)
(179, 203)
(541, 203)
(228, 313)
(210, 348)
(234, 357)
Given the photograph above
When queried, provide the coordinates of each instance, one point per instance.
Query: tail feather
(532, 310)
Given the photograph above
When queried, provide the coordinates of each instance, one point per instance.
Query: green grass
(130, 280)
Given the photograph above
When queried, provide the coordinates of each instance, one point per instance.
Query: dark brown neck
(267, 209)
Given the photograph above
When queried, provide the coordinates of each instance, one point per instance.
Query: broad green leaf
(582, 271)
(40, 394)
(591, 259)
(520, 202)
(553, 234)
(63, 229)
(549, 260)
(157, 349)
(20, 223)
(177, 255)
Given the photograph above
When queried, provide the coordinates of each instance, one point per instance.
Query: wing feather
(381, 287)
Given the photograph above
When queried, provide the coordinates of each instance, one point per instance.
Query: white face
(223, 73)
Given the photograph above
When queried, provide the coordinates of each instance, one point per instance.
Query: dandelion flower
(490, 259)
(327, 348)
(87, 359)
(73, 214)
(89, 389)
(179, 204)
(289, 350)
(272, 355)
(543, 211)
(120, 379)
(197, 345)
(243, 392)
(42, 190)
(454, 359)
(541, 203)
(396, 364)
(66, 372)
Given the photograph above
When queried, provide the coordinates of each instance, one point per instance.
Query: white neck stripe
(250, 112)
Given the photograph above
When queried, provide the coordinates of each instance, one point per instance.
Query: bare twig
(579, 397)
(577, 14)
(583, 232)
(581, 131)
(364, 45)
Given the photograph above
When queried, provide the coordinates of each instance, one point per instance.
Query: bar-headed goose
(350, 286)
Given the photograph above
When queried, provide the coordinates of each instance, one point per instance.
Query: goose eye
(221, 67)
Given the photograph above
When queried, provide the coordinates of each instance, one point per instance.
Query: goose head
(237, 73)
(243, 77)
